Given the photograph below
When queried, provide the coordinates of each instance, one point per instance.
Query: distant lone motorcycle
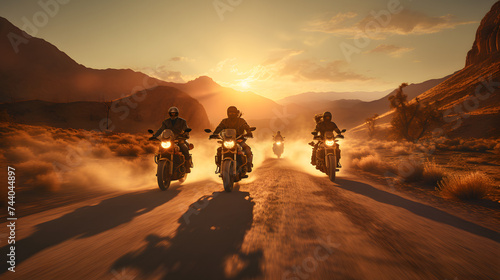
(278, 144)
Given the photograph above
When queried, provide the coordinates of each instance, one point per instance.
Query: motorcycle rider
(322, 127)
(178, 127)
(278, 137)
(235, 121)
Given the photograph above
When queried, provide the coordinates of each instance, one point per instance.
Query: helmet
(327, 116)
(173, 112)
(278, 133)
(232, 112)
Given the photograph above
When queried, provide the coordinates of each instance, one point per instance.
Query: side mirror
(208, 130)
(188, 130)
(151, 131)
(343, 130)
(253, 128)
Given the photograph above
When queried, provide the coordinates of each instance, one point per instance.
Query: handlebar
(219, 137)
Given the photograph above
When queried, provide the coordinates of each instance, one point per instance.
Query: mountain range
(39, 84)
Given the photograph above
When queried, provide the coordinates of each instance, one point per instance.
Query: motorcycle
(326, 155)
(230, 159)
(278, 147)
(171, 163)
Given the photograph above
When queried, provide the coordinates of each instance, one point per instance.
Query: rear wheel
(332, 167)
(227, 175)
(163, 175)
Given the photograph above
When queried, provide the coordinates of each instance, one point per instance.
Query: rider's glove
(250, 134)
(152, 138)
(213, 136)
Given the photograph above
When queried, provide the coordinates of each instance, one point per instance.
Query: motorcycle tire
(162, 175)
(332, 167)
(227, 175)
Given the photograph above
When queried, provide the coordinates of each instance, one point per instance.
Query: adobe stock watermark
(223, 6)
(371, 29)
(31, 27)
(309, 265)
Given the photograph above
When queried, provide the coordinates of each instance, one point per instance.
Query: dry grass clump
(433, 173)
(372, 163)
(468, 145)
(400, 150)
(475, 185)
(46, 157)
(360, 152)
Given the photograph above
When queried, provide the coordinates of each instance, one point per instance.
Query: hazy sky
(274, 48)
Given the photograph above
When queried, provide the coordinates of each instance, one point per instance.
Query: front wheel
(227, 175)
(183, 179)
(332, 167)
(163, 174)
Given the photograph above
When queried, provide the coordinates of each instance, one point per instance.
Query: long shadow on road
(417, 208)
(207, 244)
(88, 221)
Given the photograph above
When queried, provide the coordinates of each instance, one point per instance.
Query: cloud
(279, 55)
(392, 50)
(306, 69)
(332, 24)
(405, 22)
(181, 58)
(282, 64)
(161, 72)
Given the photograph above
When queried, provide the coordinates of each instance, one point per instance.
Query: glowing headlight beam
(229, 144)
(278, 143)
(166, 145)
(329, 142)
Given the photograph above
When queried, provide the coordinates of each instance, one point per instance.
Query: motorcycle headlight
(229, 144)
(329, 143)
(166, 145)
(278, 143)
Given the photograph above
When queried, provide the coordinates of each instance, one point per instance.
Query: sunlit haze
(273, 48)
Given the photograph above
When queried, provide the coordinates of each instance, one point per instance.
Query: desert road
(281, 223)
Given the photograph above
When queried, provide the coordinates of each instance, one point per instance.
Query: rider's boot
(250, 162)
(189, 164)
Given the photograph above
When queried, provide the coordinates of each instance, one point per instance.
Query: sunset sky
(273, 48)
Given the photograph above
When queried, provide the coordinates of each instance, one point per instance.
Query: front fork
(158, 158)
(232, 157)
(327, 153)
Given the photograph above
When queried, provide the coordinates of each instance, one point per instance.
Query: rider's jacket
(233, 123)
(325, 126)
(177, 125)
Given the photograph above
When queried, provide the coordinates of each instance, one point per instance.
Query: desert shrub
(433, 173)
(360, 152)
(412, 120)
(149, 149)
(468, 145)
(400, 150)
(371, 163)
(49, 182)
(411, 170)
(128, 151)
(475, 185)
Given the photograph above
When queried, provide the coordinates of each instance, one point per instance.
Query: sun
(244, 84)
